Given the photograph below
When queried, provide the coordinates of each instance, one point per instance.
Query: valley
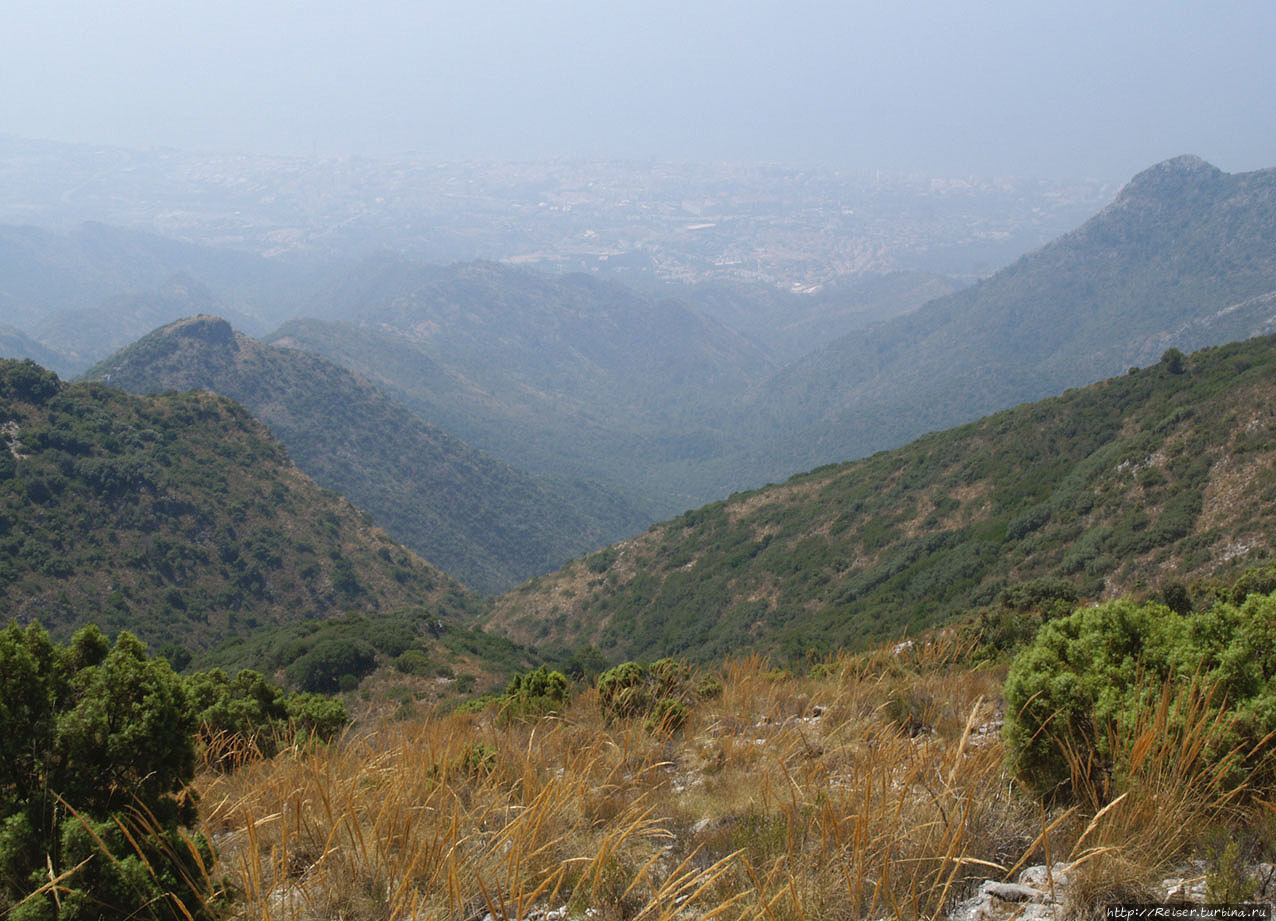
(500, 593)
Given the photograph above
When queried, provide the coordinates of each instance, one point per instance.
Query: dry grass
(867, 792)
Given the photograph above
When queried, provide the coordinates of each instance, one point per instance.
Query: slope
(567, 375)
(178, 517)
(1168, 473)
(482, 521)
(1184, 257)
(88, 291)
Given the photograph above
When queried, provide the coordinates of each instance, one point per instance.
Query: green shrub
(661, 693)
(249, 715)
(1097, 669)
(96, 753)
(534, 694)
(477, 760)
(667, 717)
(317, 716)
(413, 662)
(322, 667)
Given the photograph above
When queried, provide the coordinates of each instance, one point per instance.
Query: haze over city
(1068, 90)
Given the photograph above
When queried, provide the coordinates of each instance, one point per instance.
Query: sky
(1075, 89)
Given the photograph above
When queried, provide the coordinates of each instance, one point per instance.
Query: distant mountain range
(1184, 257)
(674, 401)
(83, 293)
(179, 517)
(568, 374)
(574, 376)
(482, 521)
(1161, 475)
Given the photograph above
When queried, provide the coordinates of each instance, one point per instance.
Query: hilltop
(1161, 475)
(81, 293)
(483, 521)
(1184, 257)
(179, 518)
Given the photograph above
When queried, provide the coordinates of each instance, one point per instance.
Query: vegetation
(1183, 259)
(410, 657)
(567, 374)
(95, 758)
(247, 717)
(480, 520)
(1136, 484)
(661, 693)
(178, 518)
(1104, 667)
(788, 796)
(537, 693)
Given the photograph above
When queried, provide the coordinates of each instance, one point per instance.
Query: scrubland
(872, 786)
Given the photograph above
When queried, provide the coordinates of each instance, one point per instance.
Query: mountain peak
(203, 328)
(1170, 177)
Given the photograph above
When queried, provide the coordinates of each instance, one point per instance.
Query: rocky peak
(203, 328)
(1170, 178)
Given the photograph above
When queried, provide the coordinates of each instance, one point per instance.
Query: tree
(95, 758)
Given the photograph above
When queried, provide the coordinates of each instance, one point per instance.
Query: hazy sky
(1060, 89)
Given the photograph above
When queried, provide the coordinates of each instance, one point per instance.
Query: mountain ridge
(481, 520)
(178, 517)
(1182, 258)
(1162, 474)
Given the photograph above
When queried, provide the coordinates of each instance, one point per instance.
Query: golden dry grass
(874, 790)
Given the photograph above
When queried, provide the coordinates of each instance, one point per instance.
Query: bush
(661, 693)
(535, 694)
(109, 732)
(413, 662)
(1098, 668)
(321, 668)
(248, 717)
(667, 717)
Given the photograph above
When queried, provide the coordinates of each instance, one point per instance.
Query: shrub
(95, 758)
(535, 694)
(661, 693)
(1099, 667)
(667, 717)
(413, 662)
(321, 668)
(247, 716)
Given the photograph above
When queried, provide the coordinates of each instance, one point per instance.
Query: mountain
(85, 292)
(178, 517)
(1163, 474)
(16, 344)
(567, 375)
(1184, 257)
(480, 520)
(679, 401)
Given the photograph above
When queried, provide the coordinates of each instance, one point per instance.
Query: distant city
(798, 230)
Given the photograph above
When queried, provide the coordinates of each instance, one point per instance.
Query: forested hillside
(484, 522)
(1163, 475)
(569, 375)
(1184, 257)
(179, 518)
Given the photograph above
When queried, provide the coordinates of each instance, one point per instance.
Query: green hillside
(179, 518)
(567, 375)
(1184, 257)
(1167, 474)
(679, 401)
(482, 521)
